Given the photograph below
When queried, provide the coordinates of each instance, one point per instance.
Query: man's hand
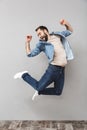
(62, 22)
(66, 24)
(29, 38)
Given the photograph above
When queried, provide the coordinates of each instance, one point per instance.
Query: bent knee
(39, 89)
(58, 93)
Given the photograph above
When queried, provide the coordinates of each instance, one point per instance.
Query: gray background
(19, 18)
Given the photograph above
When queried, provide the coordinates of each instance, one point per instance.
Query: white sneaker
(35, 94)
(19, 75)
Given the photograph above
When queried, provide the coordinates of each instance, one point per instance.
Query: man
(57, 49)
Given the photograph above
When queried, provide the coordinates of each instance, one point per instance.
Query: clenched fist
(29, 38)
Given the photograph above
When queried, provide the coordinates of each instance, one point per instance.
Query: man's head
(42, 32)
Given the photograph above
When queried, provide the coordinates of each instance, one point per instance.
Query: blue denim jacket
(48, 48)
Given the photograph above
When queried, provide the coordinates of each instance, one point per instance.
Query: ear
(45, 30)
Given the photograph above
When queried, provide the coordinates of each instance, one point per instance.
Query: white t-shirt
(59, 51)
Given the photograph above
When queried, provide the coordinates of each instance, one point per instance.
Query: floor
(43, 125)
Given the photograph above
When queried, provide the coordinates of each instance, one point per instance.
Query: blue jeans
(53, 74)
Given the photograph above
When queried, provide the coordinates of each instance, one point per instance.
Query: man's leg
(58, 85)
(45, 80)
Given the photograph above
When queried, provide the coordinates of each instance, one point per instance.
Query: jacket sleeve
(35, 51)
(66, 33)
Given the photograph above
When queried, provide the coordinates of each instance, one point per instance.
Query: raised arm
(66, 24)
(27, 44)
(33, 52)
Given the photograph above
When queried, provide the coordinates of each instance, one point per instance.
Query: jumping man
(58, 51)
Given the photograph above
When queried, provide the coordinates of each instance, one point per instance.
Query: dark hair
(42, 28)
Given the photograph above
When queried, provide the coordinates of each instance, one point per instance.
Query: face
(42, 34)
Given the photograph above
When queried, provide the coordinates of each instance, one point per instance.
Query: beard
(45, 37)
